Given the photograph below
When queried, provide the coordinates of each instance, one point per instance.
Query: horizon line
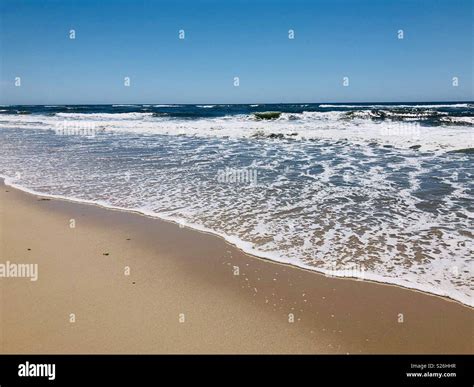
(240, 103)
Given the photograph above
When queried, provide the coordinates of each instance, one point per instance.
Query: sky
(333, 39)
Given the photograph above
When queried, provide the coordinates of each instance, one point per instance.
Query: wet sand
(182, 294)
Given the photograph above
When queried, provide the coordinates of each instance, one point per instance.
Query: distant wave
(403, 126)
(104, 116)
(363, 131)
(361, 106)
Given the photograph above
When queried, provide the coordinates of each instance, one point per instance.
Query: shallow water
(356, 201)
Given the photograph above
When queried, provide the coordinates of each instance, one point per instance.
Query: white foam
(463, 120)
(390, 106)
(104, 116)
(306, 125)
(250, 248)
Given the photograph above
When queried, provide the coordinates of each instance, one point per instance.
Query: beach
(261, 188)
(111, 281)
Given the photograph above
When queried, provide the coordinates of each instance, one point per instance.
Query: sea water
(382, 192)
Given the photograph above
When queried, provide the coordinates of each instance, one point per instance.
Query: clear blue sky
(224, 39)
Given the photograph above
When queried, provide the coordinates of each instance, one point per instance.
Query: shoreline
(4, 180)
(179, 270)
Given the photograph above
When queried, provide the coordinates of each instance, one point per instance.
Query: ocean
(380, 192)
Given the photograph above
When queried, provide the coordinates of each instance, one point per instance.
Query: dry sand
(176, 271)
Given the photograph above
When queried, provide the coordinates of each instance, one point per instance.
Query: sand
(182, 294)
